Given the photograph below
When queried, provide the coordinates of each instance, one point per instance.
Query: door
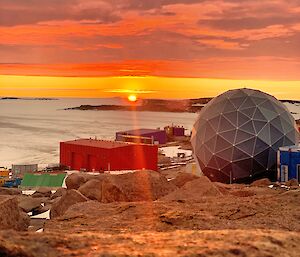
(77, 161)
(284, 173)
(92, 163)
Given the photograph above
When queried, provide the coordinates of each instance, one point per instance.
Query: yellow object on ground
(4, 173)
(2, 181)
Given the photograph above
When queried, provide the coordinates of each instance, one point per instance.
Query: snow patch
(44, 215)
(173, 151)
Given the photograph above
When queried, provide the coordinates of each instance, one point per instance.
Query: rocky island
(152, 105)
(28, 98)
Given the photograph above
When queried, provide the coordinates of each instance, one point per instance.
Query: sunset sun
(132, 98)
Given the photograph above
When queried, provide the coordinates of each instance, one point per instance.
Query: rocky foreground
(144, 214)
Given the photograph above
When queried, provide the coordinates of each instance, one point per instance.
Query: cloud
(147, 37)
(16, 12)
(262, 67)
(249, 22)
(154, 4)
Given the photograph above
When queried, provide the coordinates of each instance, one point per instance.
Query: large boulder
(29, 204)
(194, 190)
(75, 180)
(71, 197)
(112, 193)
(130, 187)
(142, 185)
(183, 177)
(103, 190)
(92, 189)
(11, 216)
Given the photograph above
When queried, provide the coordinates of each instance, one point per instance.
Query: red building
(101, 155)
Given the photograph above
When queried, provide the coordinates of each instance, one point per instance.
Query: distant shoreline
(31, 99)
(151, 105)
(158, 105)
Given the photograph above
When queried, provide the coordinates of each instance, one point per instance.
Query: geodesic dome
(237, 135)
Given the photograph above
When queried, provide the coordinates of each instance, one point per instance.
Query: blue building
(289, 163)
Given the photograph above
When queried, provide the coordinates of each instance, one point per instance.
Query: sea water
(30, 130)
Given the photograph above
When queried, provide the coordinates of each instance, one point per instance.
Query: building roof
(138, 132)
(98, 143)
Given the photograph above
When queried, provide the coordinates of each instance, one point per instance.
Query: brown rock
(92, 189)
(138, 186)
(41, 209)
(292, 182)
(11, 216)
(10, 191)
(52, 201)
(142, 185)
(183, 178)
(194, 190)
(68, 199)
(59, 192)
(28, 204)
(42, 192)
(112, 193)
(162, 159)
(75, 180)
(261, 182)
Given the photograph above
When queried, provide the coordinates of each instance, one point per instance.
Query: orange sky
(159, 48)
